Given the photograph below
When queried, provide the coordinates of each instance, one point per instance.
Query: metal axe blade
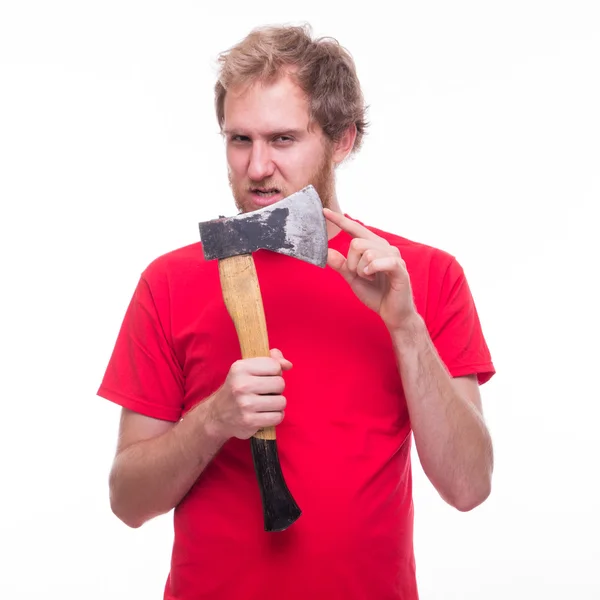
(294, 226)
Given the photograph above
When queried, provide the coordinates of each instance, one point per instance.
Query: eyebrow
(274, 133)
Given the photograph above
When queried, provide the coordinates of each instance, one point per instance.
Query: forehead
(279, 104)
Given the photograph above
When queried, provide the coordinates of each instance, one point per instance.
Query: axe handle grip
(241, 292)
(243, 300)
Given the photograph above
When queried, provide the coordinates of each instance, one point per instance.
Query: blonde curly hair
(323, 69)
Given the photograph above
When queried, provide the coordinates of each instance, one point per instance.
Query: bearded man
(385, 344)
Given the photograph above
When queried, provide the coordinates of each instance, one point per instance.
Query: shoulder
(178, 279)
(176, 264)
(181, 275)
(418, 255)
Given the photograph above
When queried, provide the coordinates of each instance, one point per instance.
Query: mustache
(264, 184)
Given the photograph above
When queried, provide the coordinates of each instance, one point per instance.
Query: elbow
(131, 520)
(120, 507)
(125, 516)
(472, 498)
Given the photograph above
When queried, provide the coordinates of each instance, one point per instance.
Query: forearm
(451, 437)
(150, 477)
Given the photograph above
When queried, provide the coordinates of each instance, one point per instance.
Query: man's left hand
(375, 271)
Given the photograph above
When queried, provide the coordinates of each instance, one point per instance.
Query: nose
(261, 164)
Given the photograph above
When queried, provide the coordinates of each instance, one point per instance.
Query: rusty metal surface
(294, 226)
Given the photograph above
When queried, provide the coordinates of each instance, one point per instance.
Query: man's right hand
(251, 397)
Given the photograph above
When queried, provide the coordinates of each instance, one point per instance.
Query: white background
(485, 141)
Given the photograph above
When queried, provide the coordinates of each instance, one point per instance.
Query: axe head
(294, 226)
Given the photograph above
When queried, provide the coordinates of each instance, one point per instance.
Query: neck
(333, 230)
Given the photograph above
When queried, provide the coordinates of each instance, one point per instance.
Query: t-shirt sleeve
(455, 328)
(143, 373)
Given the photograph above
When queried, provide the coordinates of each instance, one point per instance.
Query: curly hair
(323, 69)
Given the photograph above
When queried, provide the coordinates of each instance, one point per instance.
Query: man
(384, 342)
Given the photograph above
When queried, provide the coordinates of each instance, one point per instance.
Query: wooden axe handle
(241, 293)
(243, 300)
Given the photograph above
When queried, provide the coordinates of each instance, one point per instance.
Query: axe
(294, 226)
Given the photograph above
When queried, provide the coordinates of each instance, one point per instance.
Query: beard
(323, 180)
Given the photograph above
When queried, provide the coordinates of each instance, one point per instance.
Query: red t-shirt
(344, 444)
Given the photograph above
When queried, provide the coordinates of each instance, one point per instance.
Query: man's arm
(451, 438)
(157, 462)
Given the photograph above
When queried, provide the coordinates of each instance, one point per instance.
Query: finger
(244, 388)
(260, 366)
(274, 384)
(268, 419)
(359, 247)
(366, 259)
(262, 404)
(349, 226)
(356, 251)
(391, 265)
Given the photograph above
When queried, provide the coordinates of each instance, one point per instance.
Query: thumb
(286, 365)
(335, 260)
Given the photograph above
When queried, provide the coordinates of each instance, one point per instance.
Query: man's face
(271, 153)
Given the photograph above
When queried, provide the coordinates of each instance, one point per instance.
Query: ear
(343, 147)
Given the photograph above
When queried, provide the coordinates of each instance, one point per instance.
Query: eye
(239, 139)
(283, 139)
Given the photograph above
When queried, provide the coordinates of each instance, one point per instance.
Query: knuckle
(247, 420)
(239, 387)
(243, 402)
(237, 367)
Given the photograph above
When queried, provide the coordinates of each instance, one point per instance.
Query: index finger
(257, 366)
(349, 226)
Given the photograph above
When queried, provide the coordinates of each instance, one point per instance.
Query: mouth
(265, 196)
